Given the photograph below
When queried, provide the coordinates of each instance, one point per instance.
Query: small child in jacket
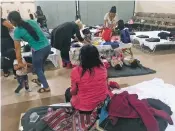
(22, 76)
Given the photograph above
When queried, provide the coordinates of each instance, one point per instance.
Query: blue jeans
(23, 82)
(38, 59)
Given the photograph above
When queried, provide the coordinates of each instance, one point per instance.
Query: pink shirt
(90, 90)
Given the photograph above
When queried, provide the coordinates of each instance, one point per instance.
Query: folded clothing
(153, 40)
(142, 36)
(164, 35)
(114, 44)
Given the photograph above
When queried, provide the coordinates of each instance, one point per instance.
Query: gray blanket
(128, 71)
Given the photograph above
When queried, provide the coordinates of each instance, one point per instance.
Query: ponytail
(29, 29)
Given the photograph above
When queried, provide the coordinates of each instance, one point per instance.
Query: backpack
(107, 34)
(125, 36)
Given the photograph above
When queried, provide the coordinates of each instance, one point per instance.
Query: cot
(150, 45)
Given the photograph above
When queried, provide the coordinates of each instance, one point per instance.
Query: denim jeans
(38, 59)
(23, 82)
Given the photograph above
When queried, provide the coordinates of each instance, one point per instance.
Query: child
(22, 77)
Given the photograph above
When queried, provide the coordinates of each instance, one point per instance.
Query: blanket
(128, 71)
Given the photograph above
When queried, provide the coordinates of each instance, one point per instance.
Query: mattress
(151, 45)
(157, 89)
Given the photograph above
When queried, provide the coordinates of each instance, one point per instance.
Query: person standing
(7, 47)
(110, 18)
(61, 39)
(41, 18)
(30, 32)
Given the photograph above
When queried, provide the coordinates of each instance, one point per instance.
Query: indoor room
(87, 65)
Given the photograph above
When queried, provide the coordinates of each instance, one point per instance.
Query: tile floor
(12, 106)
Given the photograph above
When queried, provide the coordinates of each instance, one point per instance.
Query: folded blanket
(132, 33)
(142, 36)
(153, 40)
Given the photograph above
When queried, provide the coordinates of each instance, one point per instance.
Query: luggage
(125, 35)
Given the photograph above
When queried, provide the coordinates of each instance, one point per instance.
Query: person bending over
(110, 18)
(61, 39)
(88, 81)
(30, 32)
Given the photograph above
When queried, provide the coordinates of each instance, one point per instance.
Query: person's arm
(17, 40)
(18, 51)
(74, 87)
(78, 34)
(106, 20)
(7, 24)
(115, 22)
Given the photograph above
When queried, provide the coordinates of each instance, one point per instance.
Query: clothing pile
(167, 35)
(125, 112)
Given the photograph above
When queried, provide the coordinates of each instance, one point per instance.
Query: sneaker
(28, 90)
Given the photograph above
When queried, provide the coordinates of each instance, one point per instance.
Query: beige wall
(155, 6)
(23, 8)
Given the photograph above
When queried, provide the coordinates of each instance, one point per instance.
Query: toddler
(22, 77)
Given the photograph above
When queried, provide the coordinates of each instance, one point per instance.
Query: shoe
(28, 90)
(18, 94)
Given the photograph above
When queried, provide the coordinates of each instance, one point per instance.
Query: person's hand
(86, 42)
(22, 65)
(76, 39)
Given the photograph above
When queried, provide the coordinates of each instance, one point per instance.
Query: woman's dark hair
(121, 25)
(89, 58)
(16, 17)
(31, 16)
(39, 11)
(113, 9)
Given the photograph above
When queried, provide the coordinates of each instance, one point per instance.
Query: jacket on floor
(126, 105)
(61, 35)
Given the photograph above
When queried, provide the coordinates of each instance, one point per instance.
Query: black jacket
(61, 35)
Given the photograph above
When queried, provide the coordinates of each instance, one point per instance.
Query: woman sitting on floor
(88, 81)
